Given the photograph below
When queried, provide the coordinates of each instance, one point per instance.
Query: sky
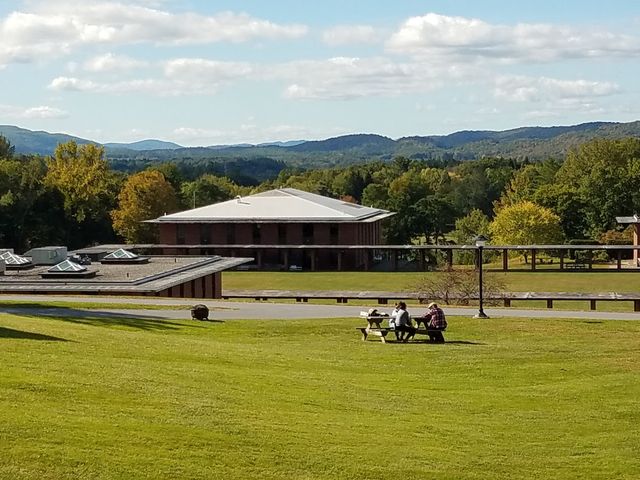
(225, 72)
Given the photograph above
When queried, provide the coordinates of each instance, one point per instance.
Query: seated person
(392, 320)
(435, 321)
(404, 329)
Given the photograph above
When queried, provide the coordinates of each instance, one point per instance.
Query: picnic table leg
(365, 333)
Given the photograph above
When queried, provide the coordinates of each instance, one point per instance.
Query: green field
(538, 281)
(93, 398)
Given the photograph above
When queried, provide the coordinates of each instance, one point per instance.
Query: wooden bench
(576, 266)
(384, 331)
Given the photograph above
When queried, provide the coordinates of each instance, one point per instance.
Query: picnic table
(375, 328)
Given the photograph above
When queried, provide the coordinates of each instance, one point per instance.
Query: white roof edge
(278, 206)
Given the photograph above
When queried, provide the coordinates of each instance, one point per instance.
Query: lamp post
(480, 242)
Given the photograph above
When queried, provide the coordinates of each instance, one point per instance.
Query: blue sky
(223, 72)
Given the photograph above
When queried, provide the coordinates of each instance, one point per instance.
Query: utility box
(47, 255)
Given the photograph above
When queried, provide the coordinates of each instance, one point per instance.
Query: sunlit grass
(88, 397)
(402, 281)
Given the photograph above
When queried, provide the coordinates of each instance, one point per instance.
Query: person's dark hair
(402, 305)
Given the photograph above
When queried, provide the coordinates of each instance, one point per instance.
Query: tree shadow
(22, 335)
(106, 319)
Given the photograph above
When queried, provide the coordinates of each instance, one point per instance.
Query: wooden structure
(565, 255)
(635, 221)
(384, 298)
(375, 328)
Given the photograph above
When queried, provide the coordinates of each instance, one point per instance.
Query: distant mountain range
(533, 142)
(143, 145)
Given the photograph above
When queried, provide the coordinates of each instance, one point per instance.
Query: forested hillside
(75, 197)
(532, 143)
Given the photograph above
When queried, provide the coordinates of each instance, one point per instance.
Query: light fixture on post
(480, 241)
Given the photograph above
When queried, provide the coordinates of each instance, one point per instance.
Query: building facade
(275, 220)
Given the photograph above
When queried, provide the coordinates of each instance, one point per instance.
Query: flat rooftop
(158, 274)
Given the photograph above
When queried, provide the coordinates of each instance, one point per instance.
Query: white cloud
(249, 133)
(72, 84)
(441, 37)
(42, 112)
(528, 89)
(182, 76)
(110, 62)
(56, 28)
(343, 78)
(350, 34)
(199, 71)
(141, 85)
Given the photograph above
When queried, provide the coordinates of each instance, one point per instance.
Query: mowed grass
(539, 281)
(93, 398)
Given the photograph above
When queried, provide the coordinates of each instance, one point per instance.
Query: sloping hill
(536, 143)
(38, 142)
(143, 145)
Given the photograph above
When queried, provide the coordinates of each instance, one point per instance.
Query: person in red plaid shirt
(436, 321)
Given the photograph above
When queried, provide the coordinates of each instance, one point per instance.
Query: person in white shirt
(404, 329)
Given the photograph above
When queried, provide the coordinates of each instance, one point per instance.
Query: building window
(255, 234)
(333, 234)
(307, 233)
(282, 234)
(205, 233)
(181, 234)
(231, 234)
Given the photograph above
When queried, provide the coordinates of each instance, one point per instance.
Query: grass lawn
(538, 281)
(90, 398)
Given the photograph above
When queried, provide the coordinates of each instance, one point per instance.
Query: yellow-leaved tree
(526, 223)
(82, 176)
(144, 196)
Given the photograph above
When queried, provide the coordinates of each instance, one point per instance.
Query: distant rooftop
(280, 205)
(624, 220)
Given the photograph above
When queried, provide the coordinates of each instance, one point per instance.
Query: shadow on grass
(427, 342)
(106, 318)
(19, 334)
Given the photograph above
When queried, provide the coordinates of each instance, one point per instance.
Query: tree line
(77, 198)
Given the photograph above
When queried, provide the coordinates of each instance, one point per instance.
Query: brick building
(278, 218)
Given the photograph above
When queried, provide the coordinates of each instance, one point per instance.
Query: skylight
(13, 259)
(120, 253)
(67, 266)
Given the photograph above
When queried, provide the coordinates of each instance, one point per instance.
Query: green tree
(144, 196)
(466, 229)
(208, 189)
(526, 223)
(21, 188)
(605, 175)
(6, 149)
(527, 181)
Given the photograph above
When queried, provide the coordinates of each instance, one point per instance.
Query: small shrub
(460, 286)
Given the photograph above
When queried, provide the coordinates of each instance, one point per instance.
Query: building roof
(280, 205)
(633, 219)
(159, 274)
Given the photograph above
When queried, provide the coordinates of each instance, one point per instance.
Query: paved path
(224, 310)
